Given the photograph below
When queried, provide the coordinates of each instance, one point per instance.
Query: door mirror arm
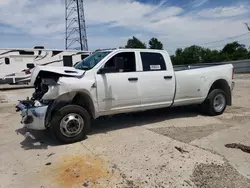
(105, 70)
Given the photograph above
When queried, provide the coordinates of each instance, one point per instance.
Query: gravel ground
(188, 134)
(162, 148)
(217, 176)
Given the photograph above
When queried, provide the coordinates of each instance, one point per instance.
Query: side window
(152, 61)
(23, 52)
(129, 61)
(7, 61)
(67, 61)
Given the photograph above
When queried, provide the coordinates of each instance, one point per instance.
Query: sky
(110, 23)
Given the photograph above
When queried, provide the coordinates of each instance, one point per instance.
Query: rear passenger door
(156, 82)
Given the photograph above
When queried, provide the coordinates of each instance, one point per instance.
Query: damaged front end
(47, 88)
(33, 114)
(34, 110)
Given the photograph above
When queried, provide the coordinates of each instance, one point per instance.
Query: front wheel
(71, 124)
(216, 103)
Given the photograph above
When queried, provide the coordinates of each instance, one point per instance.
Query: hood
(61, 71)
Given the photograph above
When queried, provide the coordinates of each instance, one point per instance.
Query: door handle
(168, 77)
(132, 79)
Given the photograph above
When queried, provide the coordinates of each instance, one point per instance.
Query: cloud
(111, 22)
(221, 12)
(33, 17)
(3, 2)
(198, 3)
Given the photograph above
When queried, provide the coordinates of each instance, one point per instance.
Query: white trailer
(15, 64)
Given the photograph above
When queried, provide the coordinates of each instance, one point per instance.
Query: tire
(71, 124)
(208, 106)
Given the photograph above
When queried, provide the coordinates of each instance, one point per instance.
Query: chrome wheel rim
(71, 125)
(219, 102)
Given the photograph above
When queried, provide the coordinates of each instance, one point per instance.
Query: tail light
(233, 73)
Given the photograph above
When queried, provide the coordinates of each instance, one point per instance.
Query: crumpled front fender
(33, 117)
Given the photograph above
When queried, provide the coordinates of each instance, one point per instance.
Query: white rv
(15, 64)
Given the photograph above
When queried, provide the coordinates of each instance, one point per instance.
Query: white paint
(67, 71)
(155, 90)
(113, 93)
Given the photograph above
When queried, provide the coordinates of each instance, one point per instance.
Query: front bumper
(33, 117)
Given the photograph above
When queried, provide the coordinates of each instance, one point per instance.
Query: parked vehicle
(16, 64)
(109, 82)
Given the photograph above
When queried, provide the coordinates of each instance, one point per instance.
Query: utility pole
(76, 35)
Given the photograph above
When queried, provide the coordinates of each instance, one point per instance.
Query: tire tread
(207, 105)
(55, 123)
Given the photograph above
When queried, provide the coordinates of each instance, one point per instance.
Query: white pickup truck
(109, 82)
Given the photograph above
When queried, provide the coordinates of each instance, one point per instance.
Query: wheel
(71, 124)
(215, 104)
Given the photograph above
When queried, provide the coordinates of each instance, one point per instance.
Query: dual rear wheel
(215, 104)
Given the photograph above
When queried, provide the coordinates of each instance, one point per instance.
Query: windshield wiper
(85, 68)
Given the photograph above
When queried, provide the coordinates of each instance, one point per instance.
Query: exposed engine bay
(44, 79)
(42, 83)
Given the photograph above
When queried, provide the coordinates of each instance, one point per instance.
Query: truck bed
(195, 66)
(193, 81)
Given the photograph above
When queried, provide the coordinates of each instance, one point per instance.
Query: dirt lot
(161, 148)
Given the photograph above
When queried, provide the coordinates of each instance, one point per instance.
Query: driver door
(118, 91)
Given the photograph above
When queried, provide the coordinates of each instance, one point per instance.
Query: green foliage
(235, 51)
(154, 43)
(196, 54)
(135, 43)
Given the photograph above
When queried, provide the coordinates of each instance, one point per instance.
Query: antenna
(76, 36)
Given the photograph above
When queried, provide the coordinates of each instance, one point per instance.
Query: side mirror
(119, 63)
(30, 65)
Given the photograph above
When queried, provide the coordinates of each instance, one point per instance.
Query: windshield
(90, 61)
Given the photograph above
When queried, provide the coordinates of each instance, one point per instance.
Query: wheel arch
(223, 85)
(81, 98)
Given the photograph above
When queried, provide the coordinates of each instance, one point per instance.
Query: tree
(154, 43)
(196, 54)
(231, 48)
(235, 51)
(189, 55)
(135, 43)
(177, 59)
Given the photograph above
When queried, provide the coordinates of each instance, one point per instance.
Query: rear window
(152, 61)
